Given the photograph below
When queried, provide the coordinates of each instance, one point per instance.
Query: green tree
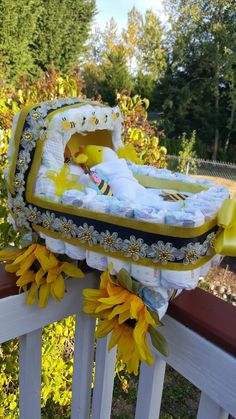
(131, 37)
(106, 71)
(17, 26)
(37, 33)
(151, 46)
(61, 31)
(144, 43)
(202, 44)
(116, 76)
(144, 86)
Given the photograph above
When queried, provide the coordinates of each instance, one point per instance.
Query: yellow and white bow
(225, 243)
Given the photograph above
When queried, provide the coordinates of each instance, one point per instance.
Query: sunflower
(124, 314)
(39, 272)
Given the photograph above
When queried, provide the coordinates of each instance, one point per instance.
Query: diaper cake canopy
(152, 232)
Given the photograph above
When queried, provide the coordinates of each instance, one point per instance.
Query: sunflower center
(131, 323)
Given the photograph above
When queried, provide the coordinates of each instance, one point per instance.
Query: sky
(118, 9)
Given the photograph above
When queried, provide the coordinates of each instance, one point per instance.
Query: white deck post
(83, 366)
(104, 380)
(150, 390)
(30, 375)
(210, 409)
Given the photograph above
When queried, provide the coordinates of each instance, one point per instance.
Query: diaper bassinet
(163, 234)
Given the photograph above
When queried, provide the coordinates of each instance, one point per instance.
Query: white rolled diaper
(145, 275)
(96, 260)
(75, 252)
(180, 279)
(55, 245)
(117, 265)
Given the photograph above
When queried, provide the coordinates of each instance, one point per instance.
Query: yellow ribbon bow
(225, 243)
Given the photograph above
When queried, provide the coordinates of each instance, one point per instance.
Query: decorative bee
(173, 196)
(67, 125)
(94, 120)
(101, 184)
(115, 115)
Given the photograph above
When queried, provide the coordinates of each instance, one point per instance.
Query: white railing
(207, 366)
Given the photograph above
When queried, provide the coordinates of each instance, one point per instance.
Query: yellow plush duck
(93, 155)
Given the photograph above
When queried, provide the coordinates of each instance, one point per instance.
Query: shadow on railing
(199, 327)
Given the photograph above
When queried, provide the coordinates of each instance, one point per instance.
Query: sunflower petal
(105, 327)
(47, 262)
(25, 254)
(39, 275)
(26, 264)
(121, 308)
(32, 293)
(52, 275)
(25, 278)
(91, 293)
(11, 268)
(116, 299)
(105, 278)
(71, 270)
(115, 337)
(9, 254)
(58, 288)
(43, 295)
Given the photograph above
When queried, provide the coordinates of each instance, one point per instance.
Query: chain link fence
(202, 167)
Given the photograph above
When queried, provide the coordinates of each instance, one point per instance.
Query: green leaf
(155, 317)
(125, 280)
(146, 103)
(135, 287)
(3, 211)
(159, 341)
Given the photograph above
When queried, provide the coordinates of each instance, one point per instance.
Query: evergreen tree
(61, 31)
(17, 27)
(152, 50)
(37, 33)
(116, 76)
(200, 80)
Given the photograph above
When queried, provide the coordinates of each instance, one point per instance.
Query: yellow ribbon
(64, 180)
(225, 243)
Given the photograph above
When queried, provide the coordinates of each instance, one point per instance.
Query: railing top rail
(202, 312)
(7, 283)
(208, 316)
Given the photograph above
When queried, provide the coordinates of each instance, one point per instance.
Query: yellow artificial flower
(39, 272)
(128, 152)
(64, 180)
(126, 316)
